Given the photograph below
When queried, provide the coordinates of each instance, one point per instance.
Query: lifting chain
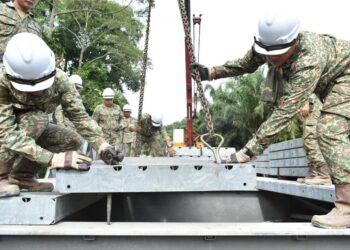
(143, 76)
(144, 63)
(188, 40)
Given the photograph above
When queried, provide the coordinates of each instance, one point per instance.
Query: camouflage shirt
(319, 64)
(12, 23)
(62, 120)
(110, 120)
(128, 136)
(148, 130)
(61, 92)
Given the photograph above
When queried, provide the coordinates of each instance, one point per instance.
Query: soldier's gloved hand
(119, 150)
(109, 155)
(71, 159)
(203, 71)
(241, 156)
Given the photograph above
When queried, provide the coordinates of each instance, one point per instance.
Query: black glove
(110, 156)
(203, 71)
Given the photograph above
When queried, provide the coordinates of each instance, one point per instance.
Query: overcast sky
(228, 28)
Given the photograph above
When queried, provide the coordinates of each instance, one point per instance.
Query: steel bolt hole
(174, 168)
(143, 168)
(68, 186)
(244, 184)
(198, 167)
(41, 218)
(117, 168)
(26, 200)
(228, 167)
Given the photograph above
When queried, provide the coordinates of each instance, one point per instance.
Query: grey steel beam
(296, 143)
(287, 154)
(208, 242)
(172, 229)
(42, 208)
(187, 151)
(204, 153)
(252, 206)
(158, 174)
(316, 192)
(292, 162)
(291, 171)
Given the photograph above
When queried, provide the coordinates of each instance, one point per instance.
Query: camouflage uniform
(311, 145)
(273, 91)
(148, 135)
(129, 138)
(320, 64)
(24, 126)
(110, 119)
(12, 23)
(61, 120)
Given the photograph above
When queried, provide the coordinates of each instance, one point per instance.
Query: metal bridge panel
(317, 192)
(42, 208)
(158, 174)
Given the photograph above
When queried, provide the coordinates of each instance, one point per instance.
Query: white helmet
(277, 32)
(76, 79)
(127, 108)
(29, 63)
(108, 93)
(156, 119)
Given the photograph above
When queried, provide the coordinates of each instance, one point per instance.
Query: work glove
(171, 151)
(71, 159)
(109, 155)
(241, 156)
(203, 71)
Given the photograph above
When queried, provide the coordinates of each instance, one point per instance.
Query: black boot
(23, 175)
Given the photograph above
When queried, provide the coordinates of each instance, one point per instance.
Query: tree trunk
(81, 57)
(52, 17)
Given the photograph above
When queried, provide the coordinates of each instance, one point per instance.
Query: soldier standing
(305, 62)
(110, 118)
(129, 138)
(15, 17)
(150, 126)
(31, 87)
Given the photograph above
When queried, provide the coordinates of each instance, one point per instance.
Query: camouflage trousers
(49, 136)
(129, 149)
(311, 145)
(334, 143)
(153, 144)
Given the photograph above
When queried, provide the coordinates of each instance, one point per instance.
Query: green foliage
(237, 109)
(97, 39)
(237, 112)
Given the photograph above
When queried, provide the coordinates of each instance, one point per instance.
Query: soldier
(15, 17)
(309, 113)
(110, 118)
(150, 125)
(305, 62)
(129, 138)
(30, 88)
(58, 115)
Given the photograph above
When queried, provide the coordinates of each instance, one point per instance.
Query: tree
(237, 111)
(97, 39)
